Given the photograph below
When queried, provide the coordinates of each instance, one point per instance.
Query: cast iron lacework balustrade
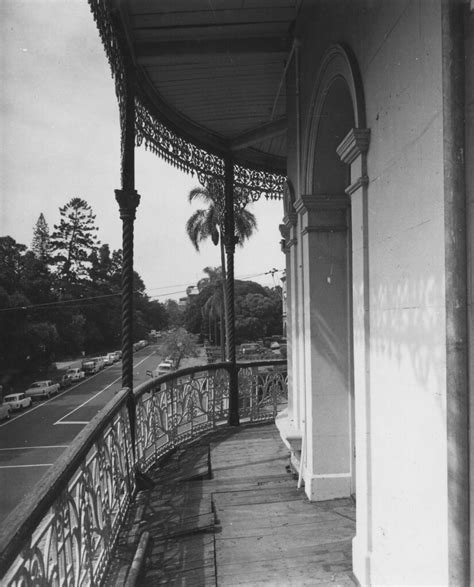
(72, 543)
(71, 521)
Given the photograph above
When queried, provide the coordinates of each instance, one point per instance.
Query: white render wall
(409, 505)
(470, 210)
(401, 423)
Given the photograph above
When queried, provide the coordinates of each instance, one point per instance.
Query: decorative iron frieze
(176, 150)
(110, 37)
(257, 183)
(158, 137)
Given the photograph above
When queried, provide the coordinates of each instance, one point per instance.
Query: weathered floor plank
(226, 511)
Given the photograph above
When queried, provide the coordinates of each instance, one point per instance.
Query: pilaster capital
(318, 202)
(323, 213)
(290, 219)
(355, 143)
(128, 201)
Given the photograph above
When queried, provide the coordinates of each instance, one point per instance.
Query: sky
(60, 138)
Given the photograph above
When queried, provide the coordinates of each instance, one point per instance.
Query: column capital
(322, 213)
(320, 202)
(355, 143)
(290, 219)
(128, 201)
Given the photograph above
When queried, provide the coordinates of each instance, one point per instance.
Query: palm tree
(214, 275)
(209, 222)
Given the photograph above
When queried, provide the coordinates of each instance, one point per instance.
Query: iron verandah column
(230, 317)
(128, 200)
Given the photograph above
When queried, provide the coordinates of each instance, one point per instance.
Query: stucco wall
(470, 202)
(398, 48)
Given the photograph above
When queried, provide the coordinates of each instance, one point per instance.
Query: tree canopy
(60, 301)
(258, 311)
(74, 240)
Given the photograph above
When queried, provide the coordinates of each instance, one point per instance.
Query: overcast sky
(59, 138)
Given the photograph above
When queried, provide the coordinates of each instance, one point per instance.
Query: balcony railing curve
(64, 532)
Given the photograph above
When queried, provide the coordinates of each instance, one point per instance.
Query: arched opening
(335, 137)
(330, 174)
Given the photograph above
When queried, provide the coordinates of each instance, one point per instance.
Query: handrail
(65, 530)
(22, 521)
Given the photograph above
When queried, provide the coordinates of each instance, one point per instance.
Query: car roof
(12, 395)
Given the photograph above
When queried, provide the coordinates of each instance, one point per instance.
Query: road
(33, 439)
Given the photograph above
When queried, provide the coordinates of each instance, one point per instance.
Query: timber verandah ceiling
(210, 78)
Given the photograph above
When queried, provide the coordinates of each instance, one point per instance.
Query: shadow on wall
(407, 332)
(407, 329)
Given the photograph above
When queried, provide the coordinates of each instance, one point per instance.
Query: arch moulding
(338, 63)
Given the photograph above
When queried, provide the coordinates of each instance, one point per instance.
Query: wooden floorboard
(226, 511)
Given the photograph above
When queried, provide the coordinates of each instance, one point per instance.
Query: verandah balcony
(217, 502)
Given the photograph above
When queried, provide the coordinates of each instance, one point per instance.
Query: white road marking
(25, 466)
(30, 447)
(43, 403)
(60, 421)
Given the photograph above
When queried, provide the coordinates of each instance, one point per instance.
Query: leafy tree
(11, 262)
(41, 342)
(102, 266)
(74, 240)
(41, 244)
(214, 275)
(257, 316)
(35, 279)
(24, 282)
(179, 343)
(175, 313)
(213, 308)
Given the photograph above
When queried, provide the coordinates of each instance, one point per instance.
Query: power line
(73, 303)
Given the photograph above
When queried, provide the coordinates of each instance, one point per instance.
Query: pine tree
(74, 240)
(41, 242)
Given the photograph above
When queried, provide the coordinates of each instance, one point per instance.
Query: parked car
(5, 411)
(17, 401)
(75, 374)
(64, 382)
(108, 359)
(164, 367)
(89, 367)
(42, 389)
(111, 358)
(99, 362)
(249, 348)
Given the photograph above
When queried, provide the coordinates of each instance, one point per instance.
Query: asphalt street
(34, 438)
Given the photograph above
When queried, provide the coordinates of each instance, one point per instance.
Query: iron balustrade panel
(177, 408)
(65, 532)
(263, 388)
(72, 543)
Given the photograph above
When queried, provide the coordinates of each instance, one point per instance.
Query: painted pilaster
(352, 151)
(324, 248)
(294, 401)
